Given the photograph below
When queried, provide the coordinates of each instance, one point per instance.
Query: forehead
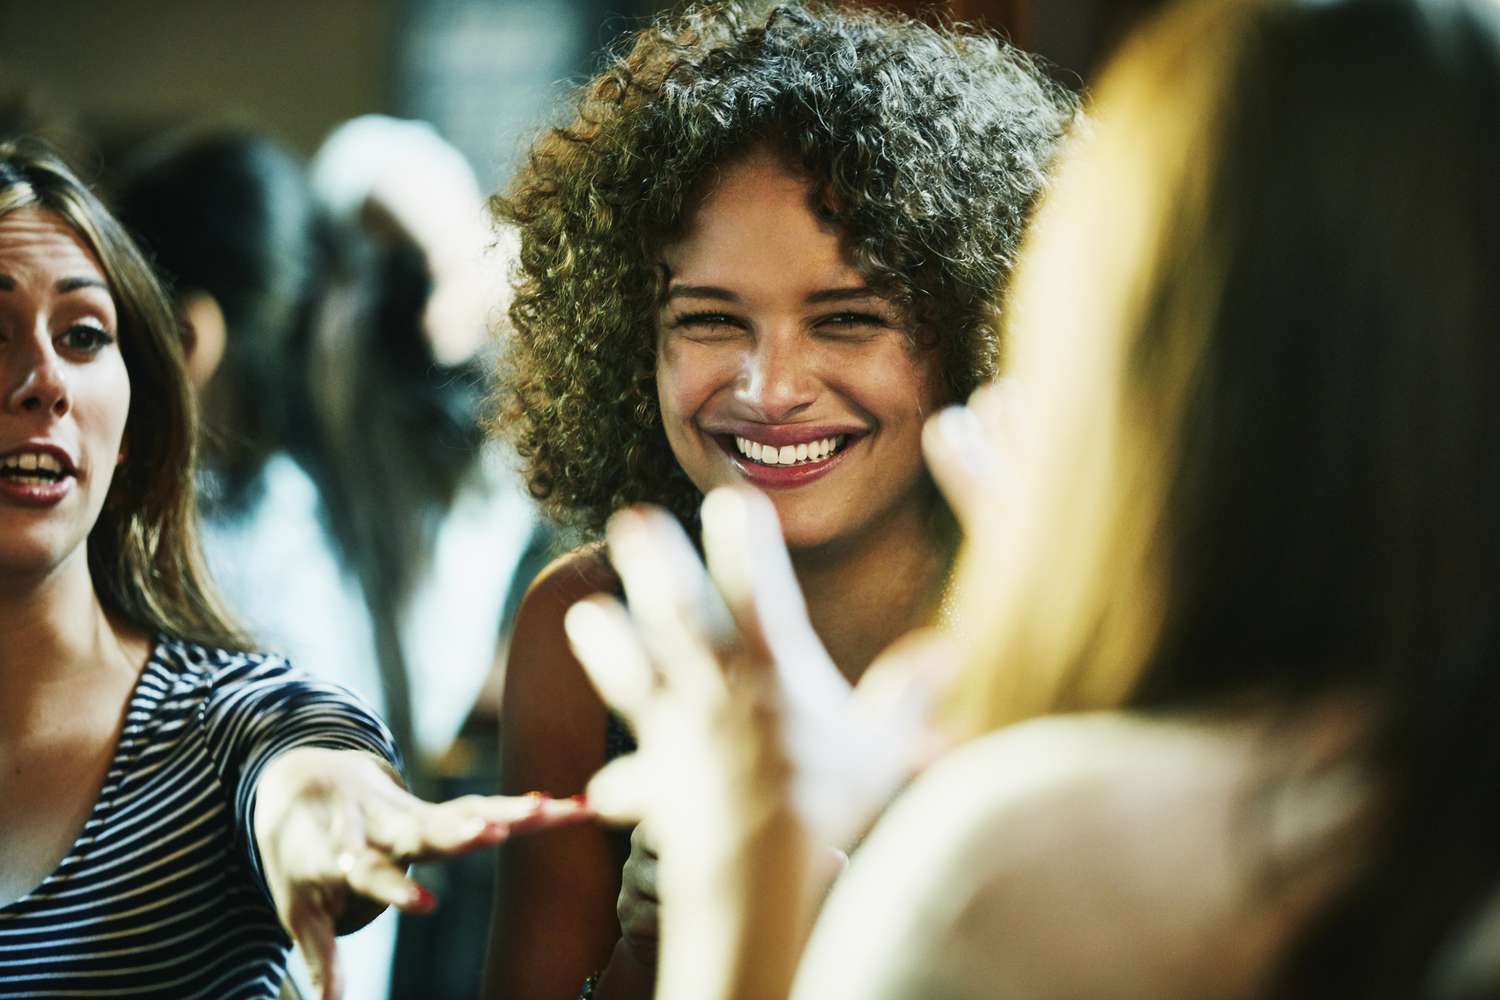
(756, 214)
(39, 245)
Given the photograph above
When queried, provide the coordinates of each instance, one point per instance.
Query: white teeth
(790, 454)
(30, 461)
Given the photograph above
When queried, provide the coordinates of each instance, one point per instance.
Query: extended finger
(963, 461)
(1001, 412)
(604, 639)
(474, 821)
(670, 597)
(750, 564)
(620, 792)
(373, 874)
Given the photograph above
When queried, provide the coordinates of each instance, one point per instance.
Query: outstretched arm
(336, 831)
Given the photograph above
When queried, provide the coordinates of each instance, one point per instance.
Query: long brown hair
(143, 551)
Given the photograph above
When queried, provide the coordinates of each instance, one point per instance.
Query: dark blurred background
(486, 73)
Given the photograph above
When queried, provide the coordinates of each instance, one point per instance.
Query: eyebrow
(74, 284)
(725, 295)
(63, 285)
(701, 292)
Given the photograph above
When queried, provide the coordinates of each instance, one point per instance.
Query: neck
(54, 630)
(863, 595)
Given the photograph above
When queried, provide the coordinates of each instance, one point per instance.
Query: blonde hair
(1061, 600)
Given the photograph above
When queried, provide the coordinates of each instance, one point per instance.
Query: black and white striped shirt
(161, 894)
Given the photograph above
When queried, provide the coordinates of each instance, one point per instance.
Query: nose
(42, 384)
(777, 381)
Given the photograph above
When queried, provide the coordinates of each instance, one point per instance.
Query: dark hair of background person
(928, 146)
(143, 551)
(229, 213)
(324, 357)
(1315, 350)
(1361, 164)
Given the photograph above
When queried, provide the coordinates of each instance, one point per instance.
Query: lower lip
(35, 494)
(781, 477)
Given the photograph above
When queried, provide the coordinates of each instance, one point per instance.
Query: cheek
(119, 414)
(905, 388)
(105, 405)
(686, 379)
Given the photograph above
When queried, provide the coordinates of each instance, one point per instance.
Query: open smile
(781, 463)
(790, 454)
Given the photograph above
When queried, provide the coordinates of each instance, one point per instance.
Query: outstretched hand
(728, 657)
(336, 832)
(977, 454)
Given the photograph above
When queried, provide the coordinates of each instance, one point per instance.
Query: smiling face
(778, 366)
(66, 393)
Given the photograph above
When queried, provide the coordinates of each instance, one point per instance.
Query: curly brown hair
(930, 145)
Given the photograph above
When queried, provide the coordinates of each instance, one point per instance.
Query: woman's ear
(204, 336)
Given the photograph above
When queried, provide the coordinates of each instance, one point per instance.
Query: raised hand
(757, 760)
(977, 453)
(336, 833)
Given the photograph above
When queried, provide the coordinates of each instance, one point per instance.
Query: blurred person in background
(1240, 548)
(179, 807)
(352, 512)
(764, 250)
(430, 515)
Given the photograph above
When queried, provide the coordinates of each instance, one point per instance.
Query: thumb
(901, 691)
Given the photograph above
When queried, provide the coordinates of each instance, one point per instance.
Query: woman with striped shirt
(177, 808)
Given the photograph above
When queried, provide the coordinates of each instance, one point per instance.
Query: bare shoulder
(552, 722)
(567, 580)
(564, 582)
(1048, 860)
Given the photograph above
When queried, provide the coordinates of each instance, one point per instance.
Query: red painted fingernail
(421, 900)
(579, 800)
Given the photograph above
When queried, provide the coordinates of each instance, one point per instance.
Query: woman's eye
(85, 338)
(853, 325)
(708, 326)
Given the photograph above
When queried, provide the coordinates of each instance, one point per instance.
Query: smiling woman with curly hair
(764, 249)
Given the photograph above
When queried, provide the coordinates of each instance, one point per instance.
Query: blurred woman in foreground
(1253, 521)
(176, 805)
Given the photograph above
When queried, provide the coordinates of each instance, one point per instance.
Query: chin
(804, 534)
